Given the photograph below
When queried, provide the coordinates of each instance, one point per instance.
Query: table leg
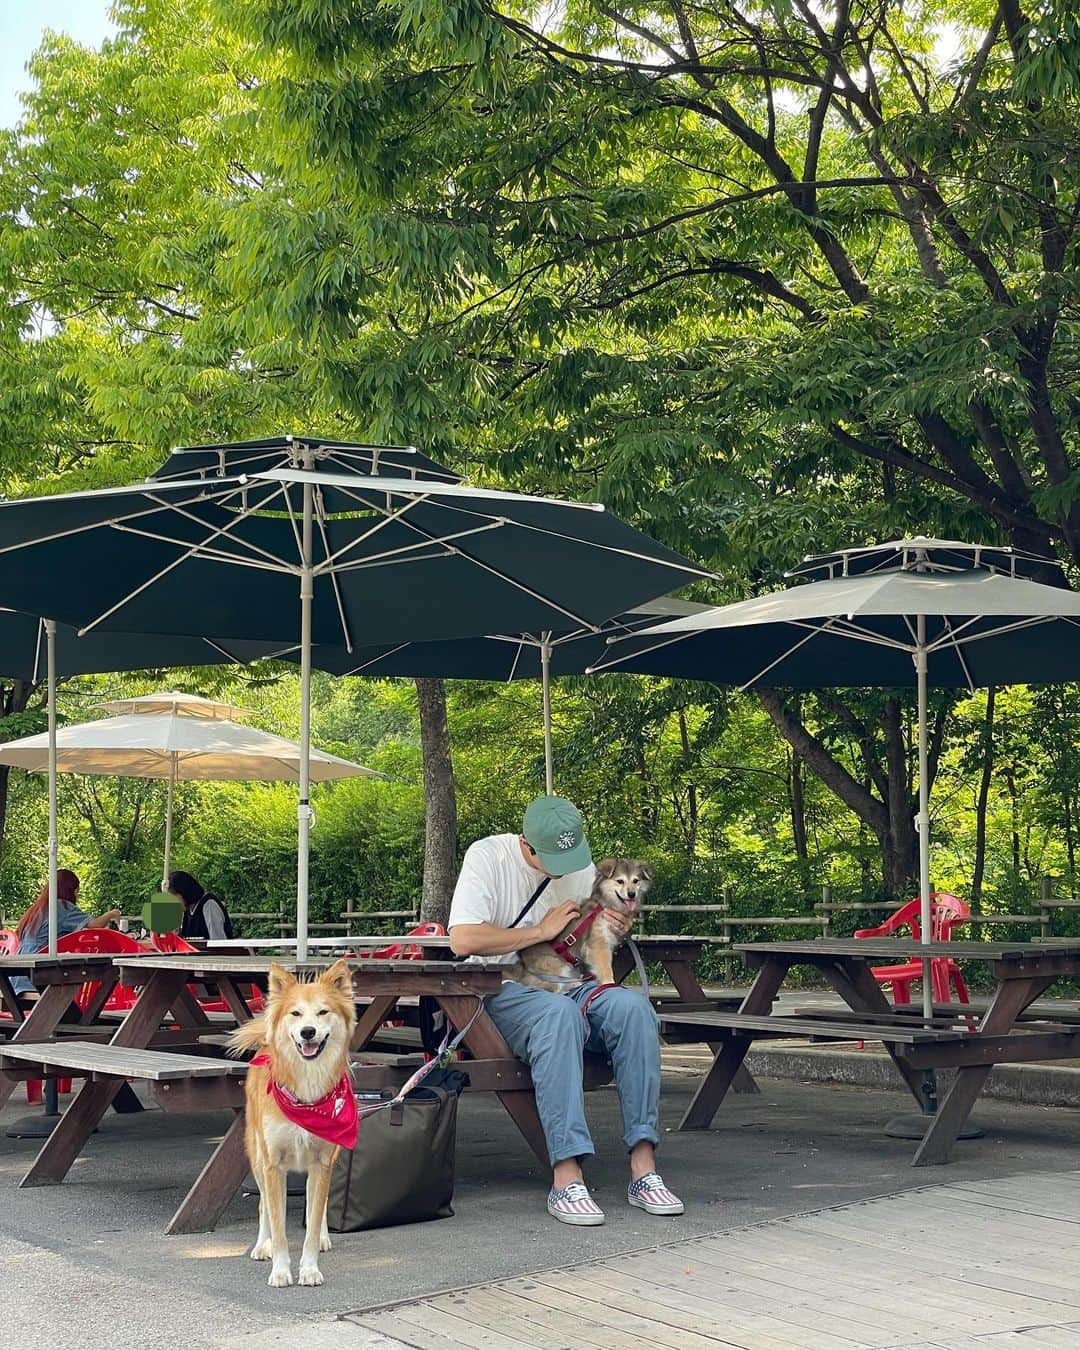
(84, 1114)
(688, 987)
(852, 980)
(39, 1024)
(371, 1019)
(1010, 1000)
(234, 999)
(485, 1041)
(728, 1060)
(216, 1184)
(10, 1000)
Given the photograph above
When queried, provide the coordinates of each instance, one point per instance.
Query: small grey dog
(621, 884)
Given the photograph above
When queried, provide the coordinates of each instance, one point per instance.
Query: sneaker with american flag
(573, 1204)
(650, 1194)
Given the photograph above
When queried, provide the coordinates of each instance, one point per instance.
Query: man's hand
(619, 923)
(555, 920)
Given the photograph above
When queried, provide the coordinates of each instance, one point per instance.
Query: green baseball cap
(554, 831)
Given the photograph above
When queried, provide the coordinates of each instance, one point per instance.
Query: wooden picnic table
(58, 980)
(972, 1043)
(162, 982)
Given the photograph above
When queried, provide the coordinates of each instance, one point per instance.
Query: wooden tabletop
(891, 949)
(29, 962)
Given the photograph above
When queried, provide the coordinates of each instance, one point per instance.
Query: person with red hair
(33, 927)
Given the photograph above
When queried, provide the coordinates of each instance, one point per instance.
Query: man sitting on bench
(517, 890)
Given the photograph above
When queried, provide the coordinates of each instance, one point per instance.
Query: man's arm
(487, 939)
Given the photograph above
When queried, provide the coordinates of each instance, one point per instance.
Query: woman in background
(204, 914)
(33, 927)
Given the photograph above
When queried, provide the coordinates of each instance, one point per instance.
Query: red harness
(561, 946)
(333, 1117)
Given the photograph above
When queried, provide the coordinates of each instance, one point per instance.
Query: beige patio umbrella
(175, 737)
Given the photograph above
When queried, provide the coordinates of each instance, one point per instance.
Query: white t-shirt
(495, 882)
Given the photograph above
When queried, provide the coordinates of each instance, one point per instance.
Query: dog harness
(333, 1117)
(561, 947)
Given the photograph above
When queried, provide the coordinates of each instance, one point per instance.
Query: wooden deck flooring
(973, 1265)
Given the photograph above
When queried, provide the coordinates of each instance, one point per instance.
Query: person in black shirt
(205, 916)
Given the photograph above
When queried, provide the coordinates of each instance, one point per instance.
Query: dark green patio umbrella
(374, 559)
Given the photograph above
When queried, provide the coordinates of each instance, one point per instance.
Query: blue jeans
(549, 1033)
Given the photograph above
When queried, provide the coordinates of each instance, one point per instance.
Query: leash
(441, 1059)
(639, 966)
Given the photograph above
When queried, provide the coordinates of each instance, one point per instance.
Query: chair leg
(63, 1085)
(34, 1093)
(901, 991)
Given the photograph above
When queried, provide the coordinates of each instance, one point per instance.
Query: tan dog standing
(621, 884)
(301, 1074)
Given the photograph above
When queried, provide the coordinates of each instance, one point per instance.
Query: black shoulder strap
(532, 900)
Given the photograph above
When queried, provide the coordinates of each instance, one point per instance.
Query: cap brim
(560, 863)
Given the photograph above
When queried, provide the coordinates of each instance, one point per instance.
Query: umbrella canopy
(281, 452)
(162, 745)
(956, 615)
(176, 746)
(372, 559)
(24, 642)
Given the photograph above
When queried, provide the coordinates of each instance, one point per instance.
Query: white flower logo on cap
(566, 840)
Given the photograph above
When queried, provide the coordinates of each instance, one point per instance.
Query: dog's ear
(605, 870)
(339, 977)
(280, 979)
(644, 871)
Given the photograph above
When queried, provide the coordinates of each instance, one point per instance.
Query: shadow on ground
(92, 1265)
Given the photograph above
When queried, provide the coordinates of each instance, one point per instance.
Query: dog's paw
(261, 1251)
(325, 1245)
(280, 1277)
(310, 1275)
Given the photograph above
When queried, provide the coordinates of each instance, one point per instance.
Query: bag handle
(532, 900)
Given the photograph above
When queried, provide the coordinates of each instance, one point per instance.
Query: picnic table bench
(962, 1036)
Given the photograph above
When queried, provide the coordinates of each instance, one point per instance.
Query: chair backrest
(171, 944)
(9, 942)
(98, 940)
(948, 913)
(408, 951)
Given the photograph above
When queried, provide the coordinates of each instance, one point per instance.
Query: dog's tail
(248, 1036)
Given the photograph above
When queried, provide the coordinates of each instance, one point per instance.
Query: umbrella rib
(389, 516)
(320, 517)
(374, 660)
(279, 562)
(93, 525)
(517, 657)
(445, 542)
(189, 552)
(576, 539)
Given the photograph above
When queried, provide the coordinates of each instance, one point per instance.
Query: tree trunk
(440, 805)
(691, 789)
(798, 811)
(978, 870)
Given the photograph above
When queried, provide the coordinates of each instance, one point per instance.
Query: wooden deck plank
(867, 1276)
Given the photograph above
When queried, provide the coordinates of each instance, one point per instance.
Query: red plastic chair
(407, 951)
(947, 912)
(172, 944)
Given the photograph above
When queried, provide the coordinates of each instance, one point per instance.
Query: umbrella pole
(922, 823)
(50, 647)
(170, 799)
(545, 684)
(303, 816)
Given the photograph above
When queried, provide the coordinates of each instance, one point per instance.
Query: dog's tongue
(309, 1049)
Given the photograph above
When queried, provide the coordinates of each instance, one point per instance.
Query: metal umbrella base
(915, 1127)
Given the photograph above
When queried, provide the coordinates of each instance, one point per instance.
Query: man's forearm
(485, 939)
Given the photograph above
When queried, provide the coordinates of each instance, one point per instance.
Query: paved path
(972, 1265)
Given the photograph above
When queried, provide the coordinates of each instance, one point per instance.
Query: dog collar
(333, 1117)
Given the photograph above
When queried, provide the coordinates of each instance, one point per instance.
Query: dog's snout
(631, 895)
(308, 1033)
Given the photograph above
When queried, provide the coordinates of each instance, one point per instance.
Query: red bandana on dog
(333, 1117)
